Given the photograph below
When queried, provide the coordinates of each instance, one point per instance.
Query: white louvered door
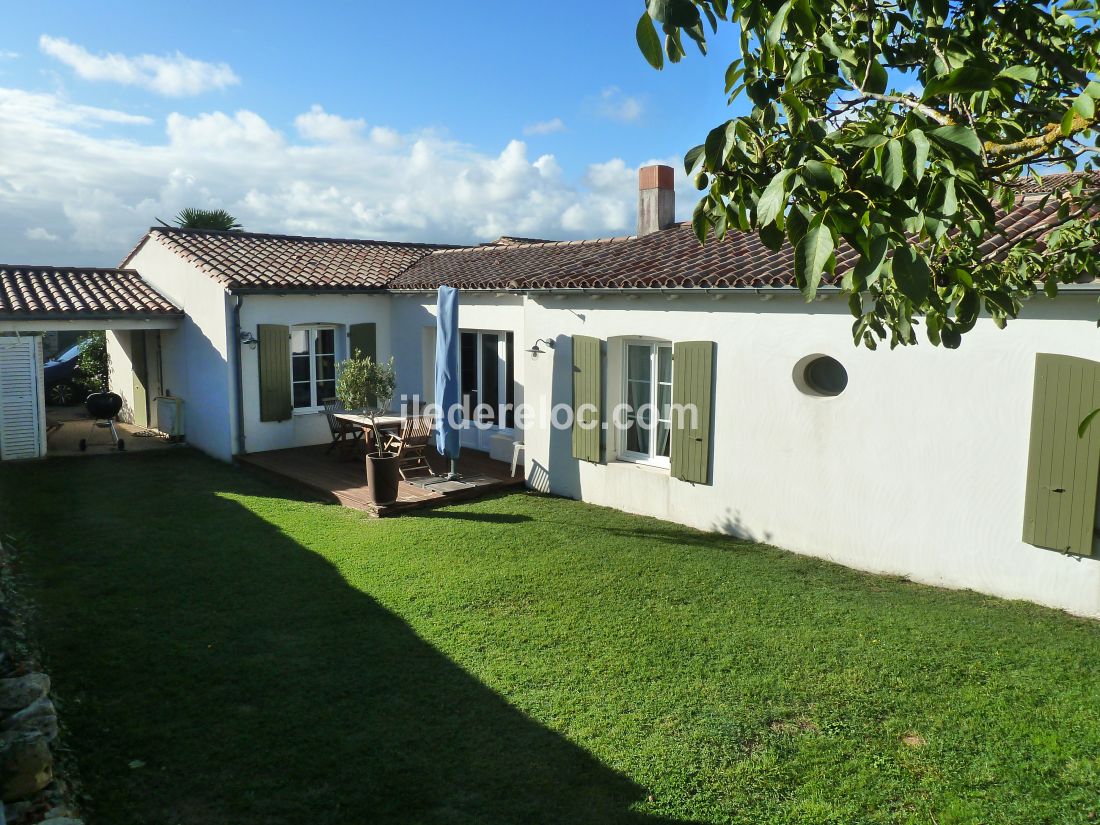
(20, 422)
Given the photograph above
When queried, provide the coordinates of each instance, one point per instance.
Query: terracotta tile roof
(506, 266)
(58, 293)
(1054, 182)
(249, 260)
(670, 259)
(1030, 217)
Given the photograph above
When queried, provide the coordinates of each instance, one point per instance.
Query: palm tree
(216, 219)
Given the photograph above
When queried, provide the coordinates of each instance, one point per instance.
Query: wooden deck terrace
(340, 478)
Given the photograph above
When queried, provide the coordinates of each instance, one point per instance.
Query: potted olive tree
(366, 385)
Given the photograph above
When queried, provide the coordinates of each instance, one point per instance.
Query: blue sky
(403, 121)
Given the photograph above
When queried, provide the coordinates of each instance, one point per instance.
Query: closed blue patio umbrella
(447, 386)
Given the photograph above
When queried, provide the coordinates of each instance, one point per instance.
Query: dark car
(59, 374)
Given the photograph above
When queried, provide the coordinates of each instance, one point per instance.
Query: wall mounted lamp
(536, 351)
(247, 338)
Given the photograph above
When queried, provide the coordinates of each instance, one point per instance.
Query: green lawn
(522, 659)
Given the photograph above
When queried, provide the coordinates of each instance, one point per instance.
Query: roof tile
(250, 260)
(46, 292)
(670, 259)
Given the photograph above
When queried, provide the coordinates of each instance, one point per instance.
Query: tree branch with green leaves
(898, 129)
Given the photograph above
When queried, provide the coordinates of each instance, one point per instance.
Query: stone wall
(33, 785)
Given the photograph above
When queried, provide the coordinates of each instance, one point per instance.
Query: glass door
(487, 384)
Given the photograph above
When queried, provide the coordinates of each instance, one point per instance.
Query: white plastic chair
(517, 448)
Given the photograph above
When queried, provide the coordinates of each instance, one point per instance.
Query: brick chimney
(656, 199)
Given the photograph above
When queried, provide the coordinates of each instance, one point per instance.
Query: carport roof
(55, 293)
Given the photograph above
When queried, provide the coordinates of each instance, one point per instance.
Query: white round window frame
(805, 387)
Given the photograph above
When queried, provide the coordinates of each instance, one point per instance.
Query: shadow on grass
(258, 686)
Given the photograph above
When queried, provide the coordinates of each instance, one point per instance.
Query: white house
(960, 468)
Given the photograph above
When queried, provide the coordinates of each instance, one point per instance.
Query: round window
(820, 375)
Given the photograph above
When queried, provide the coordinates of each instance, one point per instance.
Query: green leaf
(715, 147)
(1067, 122)
(962, 276)
(872, 141)
(935, 228)
(967, 311)
(1085, 106)
(797, 224)
(957, 137)
(649, 42)
(893, 171)
(772, 237)
(812, 255)
(734, 72)
(911, 274)
(779, 22)
(1026, 74)
(963, 80)
(946, 199)
(869, 267)
(821, 175)
(1093, 89)
(699, 221)
(774, 198)
(692, 158)
(919, 141)
(682, 14)
(877, 78)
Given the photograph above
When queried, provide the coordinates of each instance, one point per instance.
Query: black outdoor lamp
(536, 351)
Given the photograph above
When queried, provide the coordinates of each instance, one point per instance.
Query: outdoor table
(388, 421)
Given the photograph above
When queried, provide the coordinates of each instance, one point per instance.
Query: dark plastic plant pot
(382, 478)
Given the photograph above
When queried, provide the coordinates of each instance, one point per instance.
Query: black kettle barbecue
(102, 408)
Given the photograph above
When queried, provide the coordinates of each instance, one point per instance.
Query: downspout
(239, 370)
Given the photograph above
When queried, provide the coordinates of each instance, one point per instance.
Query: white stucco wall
(917, 469)
(340, 311)
(413, 325)
(193, 356)
(119, 371)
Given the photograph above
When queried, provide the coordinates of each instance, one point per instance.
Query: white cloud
(8, 55)
(174, 75)
(39, 233)
(613, 104)
(97, 192)
(545, 127)
(28, 109)
(317, 124)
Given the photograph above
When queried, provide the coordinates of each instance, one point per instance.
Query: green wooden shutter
(275, 404)
(1062, 469)
(363, 337)
(587, 390)
(692, 385)
(139, 368)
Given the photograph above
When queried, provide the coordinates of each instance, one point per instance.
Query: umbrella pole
(453, 474)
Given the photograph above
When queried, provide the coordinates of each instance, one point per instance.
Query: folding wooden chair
(411, 446)
(340, 429)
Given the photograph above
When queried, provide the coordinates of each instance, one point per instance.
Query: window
(820, 375)
(648, 402)
(313, 366)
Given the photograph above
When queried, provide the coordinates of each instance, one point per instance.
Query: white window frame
(311, 331)
(503, 391)
(650, 458)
